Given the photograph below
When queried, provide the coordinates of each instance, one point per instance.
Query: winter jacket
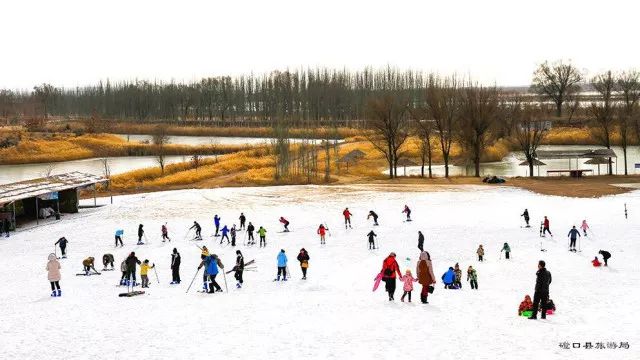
(525, 305)
(262, 231)
(584, 225)
(239, 262)
(373, 215)
(408, 281)
(573, 234)
(303, 257)
(107, 258)
(131, 262)
(225, 230)
(506, 248)
(144, 268)
(480, 251)
(216, 220)
(321, 230)
(251, 228)
(420, 238)
(175, 260)
(282, 259)
(546, 223)
(526, 215)
(390, 268)
(123, 266)
(458, 274)
(119, 232)
(424, 272)
(88, 261)
(449, 277)
(472, 275)
(284, 221)
(543, 280)
(346, 214)
(140, 231)
(53, 268)
(596, 262)
(605, 254)
(211, 265)
(371, 235)
(62, 241)
(164, 230)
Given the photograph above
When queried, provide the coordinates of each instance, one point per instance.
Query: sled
(376, 281)
(526, 313)
(89, 274)
(130, 294)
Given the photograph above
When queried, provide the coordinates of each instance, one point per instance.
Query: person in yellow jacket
(88, 264)
(144, 270)
(205, 251)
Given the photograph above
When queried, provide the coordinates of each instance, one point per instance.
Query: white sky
(69, 43)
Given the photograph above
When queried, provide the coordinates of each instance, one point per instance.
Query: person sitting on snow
(285, 222)
(525, 305)
(448, 278)
(596, 262)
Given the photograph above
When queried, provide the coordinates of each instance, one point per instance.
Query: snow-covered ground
(334, 313)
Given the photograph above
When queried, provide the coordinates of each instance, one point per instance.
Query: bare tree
(629, 87)
(45, 94)
(556, 82)
(479, 111)
(388, 120)
(529, 130)
(442, 102)
(196, 160)
(423, 129)
(160, 138)
(602, 111)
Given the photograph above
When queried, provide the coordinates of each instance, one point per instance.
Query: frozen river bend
(333, 314)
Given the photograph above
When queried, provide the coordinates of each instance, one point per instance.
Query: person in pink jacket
(584, 227)
(53, 274)
(408, 281)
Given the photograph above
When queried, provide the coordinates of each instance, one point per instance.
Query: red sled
(376, 281)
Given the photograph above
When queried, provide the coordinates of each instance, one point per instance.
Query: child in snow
(282, 265)
(165, 233)
(225, 234)
(408, 212)
(596, 262)
(605, 255)
(263, 236)
(472, 277)
(88, 265)
(448, 278)
(140, 234)
(144, 270)
(53, 274)
(285, 222)
(584, 227)
(458, 278)
(107, 259)
(347, 217)
(303, 257)
(62, 242)
(408, 281)
(233, 235)
(119, 234)
(373, 215)
(506, 250)
(123, 268)
(525, 305)
(480, 253)
(322, 231)
(371, 235)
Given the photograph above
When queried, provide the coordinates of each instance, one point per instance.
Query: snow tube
(376, 281)
(550, 312)
(526, 313)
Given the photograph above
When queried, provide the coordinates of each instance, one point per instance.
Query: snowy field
(334, 314)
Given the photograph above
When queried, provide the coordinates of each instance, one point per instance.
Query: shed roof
(36, 187)
(572, 154)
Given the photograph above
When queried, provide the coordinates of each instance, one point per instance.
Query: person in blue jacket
(225, 234)
(282, 265)
(119, 234)
(211, 264)
(573, 236)
(216, 222)
(448, 278)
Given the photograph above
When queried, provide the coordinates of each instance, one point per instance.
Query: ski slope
(334, 314)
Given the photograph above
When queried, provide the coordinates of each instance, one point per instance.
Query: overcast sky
(70, 43)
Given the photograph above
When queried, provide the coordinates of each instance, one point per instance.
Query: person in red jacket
(545, 226)
(322, 231)
(389, 270)
(347, 218)
(285, 222)
(596, 262)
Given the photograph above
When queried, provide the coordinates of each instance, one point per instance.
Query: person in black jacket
(250, 229)
(239, 268)
(243, 219)
(374, 216)
(420, 241)
(62, 242)
(175, 267)
(541, 294)
(303, 257)
(525, 214)
(605, 255)
(131, 261)
(371, 235)
(140, 234)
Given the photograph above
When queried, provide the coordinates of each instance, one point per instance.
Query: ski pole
(156, 272)
(226, 289)
(192, 280)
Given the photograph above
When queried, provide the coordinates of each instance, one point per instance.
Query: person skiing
(584, 227)
(119, 235)
(424, 272)
(506, 250)
(242, 221)
(420, 241)
(525, 214)
(322, 231)
(225, 234)
(545, 227)
(457, 281)
(88, 265)
(573, 236)
(282, 265)
(407, 286)
(62, 242)
(373, 215)
(263, 236)
(144, 270)
(596, 262)
(250, 229)
(238, 269)
(303, 258)
(107, 259)
(233, 235)
(525, 305)
(541, 294)
(132, 261)
(123, 269)
(605, 256)
(140, 234)
(389, 270)
(285, 222)
(372, 243)
(480, 253)
(448, 278)
(175, 267)
(53, 275)
(198, 229)
(347, 217)
(216, 222)
(472, 277)
(211, 264)
(165, 233)
(407, 211)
